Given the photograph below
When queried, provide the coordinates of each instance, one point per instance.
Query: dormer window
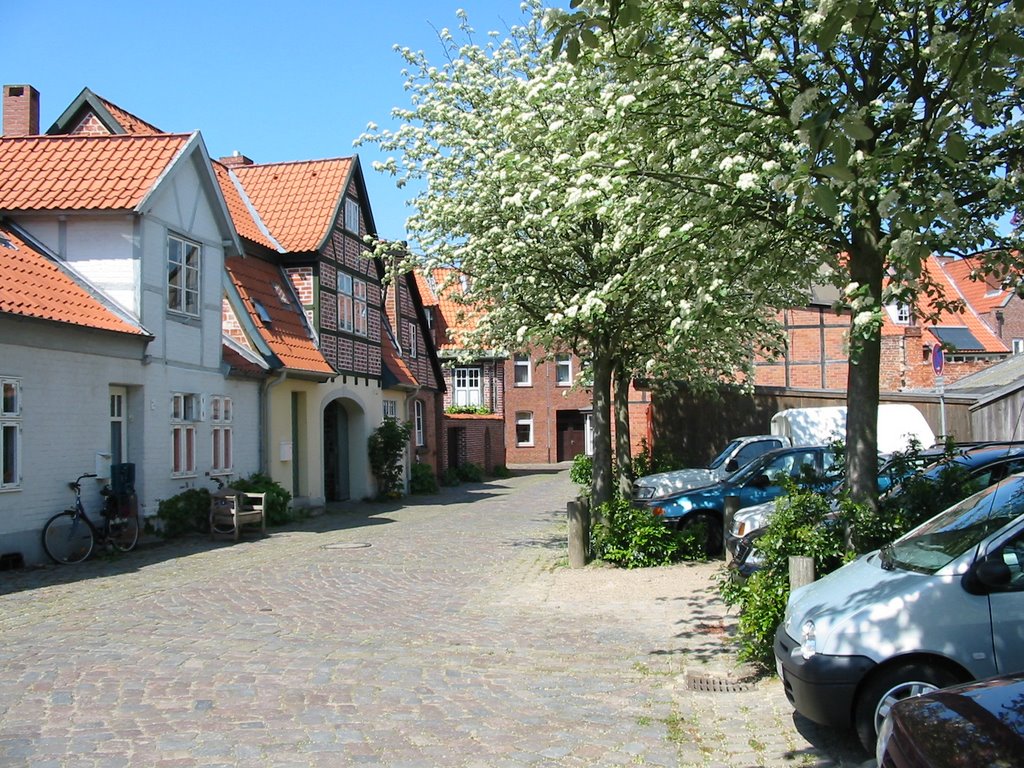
(899, 312)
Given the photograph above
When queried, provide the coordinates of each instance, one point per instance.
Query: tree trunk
(601, 479)
(866, 268)
(623, 447)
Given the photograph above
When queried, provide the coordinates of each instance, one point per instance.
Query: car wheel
(710, 526)
(892, 685)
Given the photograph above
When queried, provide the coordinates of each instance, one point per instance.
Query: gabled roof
(61, 173)
(298, 201)
(246, 219)
(984, 293)
(33, 285)
(112, 117)
(441, 288)
(965, 326)
(396, 373)
(275, 312)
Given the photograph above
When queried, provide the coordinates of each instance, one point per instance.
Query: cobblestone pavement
(447, 632)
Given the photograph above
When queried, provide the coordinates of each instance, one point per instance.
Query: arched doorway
(337, 482)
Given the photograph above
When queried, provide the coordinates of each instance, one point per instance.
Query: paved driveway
(448, 632)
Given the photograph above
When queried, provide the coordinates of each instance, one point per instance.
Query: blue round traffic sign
(938, 359)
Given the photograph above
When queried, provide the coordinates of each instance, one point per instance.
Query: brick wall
(472, 439)
(90, 126)
(816, 356)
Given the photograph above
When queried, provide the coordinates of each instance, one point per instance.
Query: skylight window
(261, 312)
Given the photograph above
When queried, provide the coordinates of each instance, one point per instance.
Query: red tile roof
(241, 365)
(297, 201)
(983, 294)
(967, 319)
(393, 361)
(36, 286)
(241, 214)
(261, 285)
(60, 173)
(129, 122)
(442, 289)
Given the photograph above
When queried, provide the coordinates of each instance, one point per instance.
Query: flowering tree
(542, 192)
(881, 132)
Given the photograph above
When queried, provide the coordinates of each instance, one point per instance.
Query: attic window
(5, 242)
(261, 311)
(351, 215)
(281, 295)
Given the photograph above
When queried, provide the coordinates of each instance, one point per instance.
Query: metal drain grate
(347, 545)
(696, 681)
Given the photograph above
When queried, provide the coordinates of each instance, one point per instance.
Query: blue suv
(759, 481)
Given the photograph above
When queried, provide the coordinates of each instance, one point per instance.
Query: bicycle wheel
(123, 532)
(67, 538)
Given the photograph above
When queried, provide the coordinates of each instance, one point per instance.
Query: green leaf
(854, 128)
(589, 38)
(558, 43)
(956, 147)
(825, 199)
(829, 31)
(572, 50)
(837, 172)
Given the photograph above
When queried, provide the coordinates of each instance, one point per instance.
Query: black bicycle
(70, 536)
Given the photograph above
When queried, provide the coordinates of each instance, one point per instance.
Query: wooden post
(579, 532)
(732, 506)
(801, 571)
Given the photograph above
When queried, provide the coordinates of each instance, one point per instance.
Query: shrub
(187, 512)
(385, 447)
(470, 472)
(500, 470)
(450, 477)
(581, 471)
(276, 504)
(634, 538)
(645, 464)
(423, 479)
(479, 410)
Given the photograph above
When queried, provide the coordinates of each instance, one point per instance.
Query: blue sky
(276, 81)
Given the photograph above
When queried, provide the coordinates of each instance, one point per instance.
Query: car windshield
(963, 526)
(721, 458)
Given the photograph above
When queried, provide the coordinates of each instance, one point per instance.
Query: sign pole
(938, 362)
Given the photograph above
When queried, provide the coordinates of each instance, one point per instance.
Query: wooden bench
(230, 509)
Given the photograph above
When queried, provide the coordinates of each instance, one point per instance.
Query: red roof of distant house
(299, 201)
(36, 286)
(955, 323)
(393, 361)
(984, 293)
(129, 122)
(281, 322)
(440, 288)
(60, 173)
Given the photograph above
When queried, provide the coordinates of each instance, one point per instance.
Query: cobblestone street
(446, 632)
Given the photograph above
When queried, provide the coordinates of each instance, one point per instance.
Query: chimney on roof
(21, 110)
(236, 159)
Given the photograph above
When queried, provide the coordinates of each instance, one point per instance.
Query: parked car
(736, 455)
(963, 726)
(943, 604)
(986, 463)
(759, 481)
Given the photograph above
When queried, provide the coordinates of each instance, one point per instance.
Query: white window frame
(1018, 346)
(413, 346)
(563, 370)
(522, 366)
(10, 433)
(466, 393)
(184, 261)
(390, 409)
(899, 312)
(359, 305)
(345, 302)
(118, 424)
(352, 215)
(419, 422)
(222, 459)
(184, 414)
(524, 419)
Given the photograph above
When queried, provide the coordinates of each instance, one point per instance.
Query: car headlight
(884, 734)
(643, 492)
(808, 642)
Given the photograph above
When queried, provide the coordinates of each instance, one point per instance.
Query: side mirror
(732, 465)
(985, 575)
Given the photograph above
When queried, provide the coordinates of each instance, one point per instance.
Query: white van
(898, 425)
(941, 605)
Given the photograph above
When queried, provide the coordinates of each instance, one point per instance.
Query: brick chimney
(236, 159)
(21, 110)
